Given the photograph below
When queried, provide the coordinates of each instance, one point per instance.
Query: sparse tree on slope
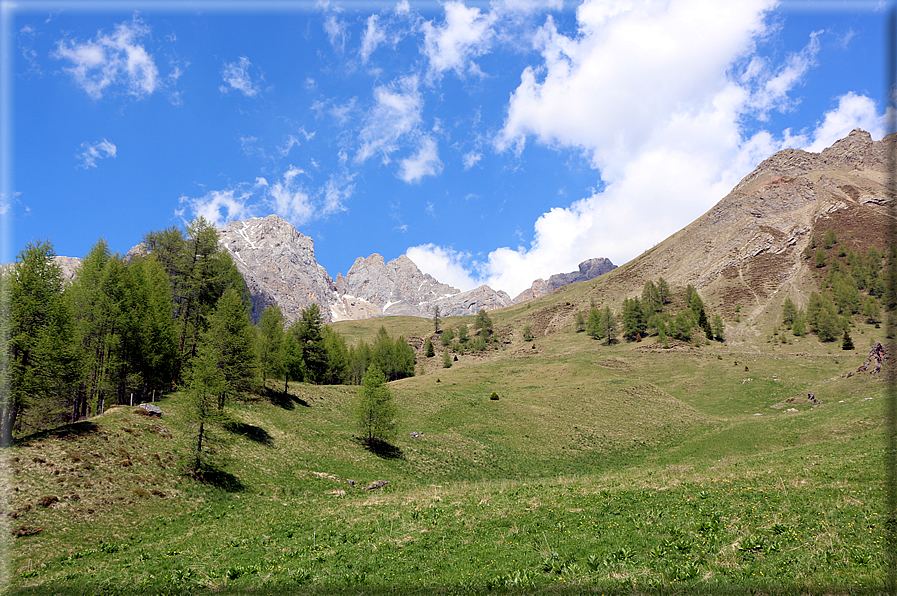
(375, 410)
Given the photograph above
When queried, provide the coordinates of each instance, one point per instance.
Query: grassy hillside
(600, 469)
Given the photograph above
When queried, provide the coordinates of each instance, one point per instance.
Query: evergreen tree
(718, 328)
(820, 258)
(291, 358)
(681, 327)
(830, 239)
(651, 300)
(634, 322)
(593, 326)
(694, 300)
(205, 385)
(580, 321)
(447, 336)
(310, 337)
(270, 342)
(429, 350)
(799, 327)
(846, 341)
(337, 357)
(436, 319)
(199, 272)
(462, 334)
(446, 359)
(360, 357)
(871, 310)
(527, 332)
(229, 341)
(38, 329)
(663, 290)
(483, 325)
(608, 325)
(827, 325)
(375, 411)
(789, 311)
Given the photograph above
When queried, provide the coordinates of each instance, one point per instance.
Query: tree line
(648, 315)
(175, 316)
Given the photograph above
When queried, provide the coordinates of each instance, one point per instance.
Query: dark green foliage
(462, 334)
(270, 343)
(718, 328)
(820, 258)
(580, 321)
(799, 327)
(651, 299)
(228, 344)
(337, 351)
(447, 336)
(663, 290)
(291, 359)
(827, 325)
(375, 410)
(39, 331)
(634, 321)
(199, 271)
(429, 350)
(846, 341)
(830, 239)
(394, 358)
(310, 337)
(681, 327)
(593, 326)
(693, 300)
(446, 359)
(871, 310)
(527, 333)
(789, 311)
(483, 325)
(608, 325)
(494, 396)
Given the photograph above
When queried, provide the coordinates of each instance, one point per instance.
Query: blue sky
(492, 142)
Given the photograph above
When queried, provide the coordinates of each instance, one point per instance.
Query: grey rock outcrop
(279, 266)
(588, 269)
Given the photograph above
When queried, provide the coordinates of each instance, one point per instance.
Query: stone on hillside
(151, 409)
(375, 485)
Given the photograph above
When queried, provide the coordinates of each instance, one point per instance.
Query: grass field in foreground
(601, 469)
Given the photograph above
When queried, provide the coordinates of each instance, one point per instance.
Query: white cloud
(445, 264)
(656, 94)
(91, 152)
(853, 111)
(396, 114)
(374, 35)
(337, 32)
(471, 158)
(219, 206)
(109, 60)
(6, 202)
(424, 163)
(236, 76)
(465, 34)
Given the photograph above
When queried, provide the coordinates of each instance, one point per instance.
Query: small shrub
(494, 396)
(47, 500)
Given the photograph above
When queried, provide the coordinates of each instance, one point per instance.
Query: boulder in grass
(151, 409)
(378, 484)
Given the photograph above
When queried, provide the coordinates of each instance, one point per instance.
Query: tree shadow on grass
(382, 449)
(284, 400)
(214, 476)
(77, 429)
(253, 433)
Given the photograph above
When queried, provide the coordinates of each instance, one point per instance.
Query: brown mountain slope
(748, 249)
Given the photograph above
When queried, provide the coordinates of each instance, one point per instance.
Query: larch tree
(375, 410)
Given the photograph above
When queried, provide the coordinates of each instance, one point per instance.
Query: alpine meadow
(712, 417)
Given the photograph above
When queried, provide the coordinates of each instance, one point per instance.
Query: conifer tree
(483, 325)
(429, 350)
(789, 311)
(270, 340)
(446, 359)
(462, 334)
(447, 336)
(375, 410)
(718, 328)
(608, 325)
(311, 339)
(593, 325)
(291, 358)
(846, 341)
(337, 357)
(436, 319)
(580, 321)
(651, 300)
(663, 290)
(229, 343)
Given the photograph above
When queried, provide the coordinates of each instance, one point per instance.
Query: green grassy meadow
(623, 469)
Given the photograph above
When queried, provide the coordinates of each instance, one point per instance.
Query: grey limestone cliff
(588, 269)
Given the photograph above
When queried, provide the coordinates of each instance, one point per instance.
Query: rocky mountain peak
(588, 269)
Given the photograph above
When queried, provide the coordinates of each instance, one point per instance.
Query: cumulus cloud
(291, 196)
(656, 94)
(445, 264)
(471, 158)
(465, 34)
(396, 113)
(424, 163)
(236, 76)
(111, 60)
(91, 152)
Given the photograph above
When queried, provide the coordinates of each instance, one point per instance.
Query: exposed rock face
(748, 249)
(279, 266)
(588, 269)
(69, 267)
